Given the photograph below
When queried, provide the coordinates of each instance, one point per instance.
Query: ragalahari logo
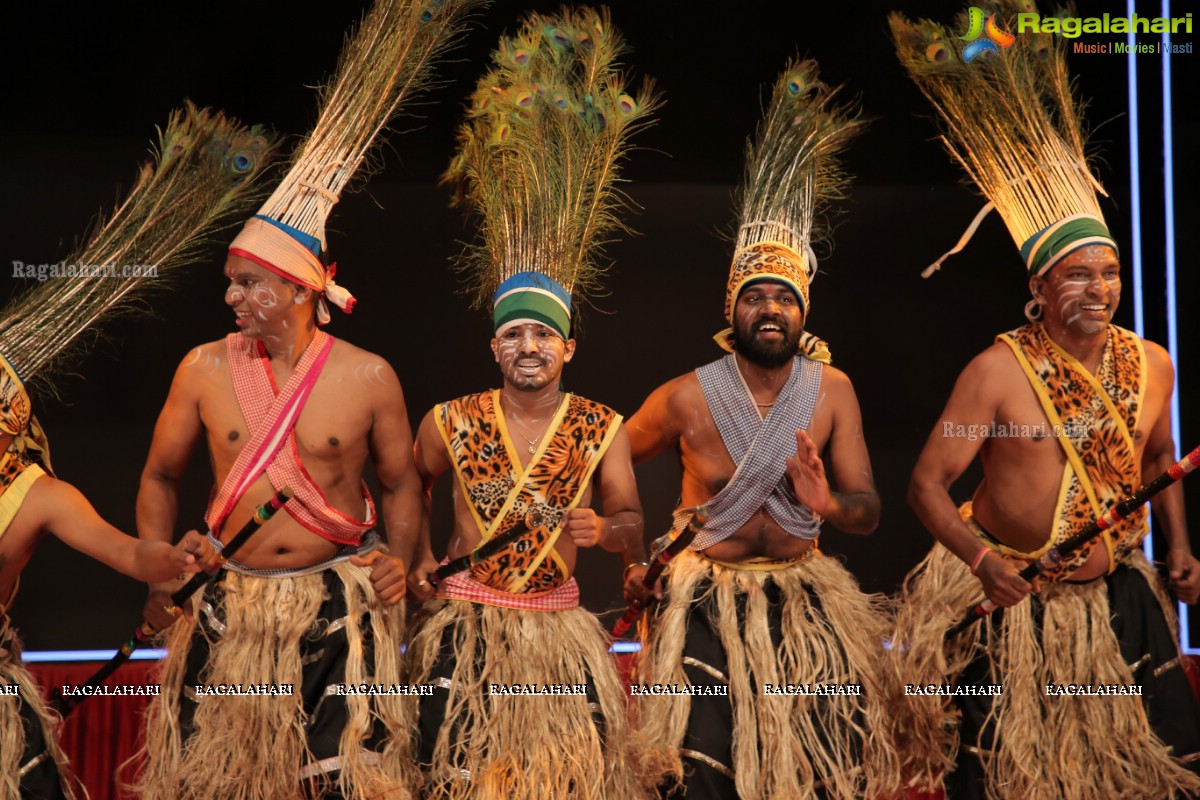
(993, 36)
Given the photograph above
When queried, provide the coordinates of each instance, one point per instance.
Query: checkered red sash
(462, 587)
(271, 416)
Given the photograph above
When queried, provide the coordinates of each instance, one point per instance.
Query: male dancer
(753, 605)
(1087, 404)
(312, 601)
(528, 458)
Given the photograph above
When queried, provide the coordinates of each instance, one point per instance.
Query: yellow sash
(1092, 417)
(17, 475)
(500, 497)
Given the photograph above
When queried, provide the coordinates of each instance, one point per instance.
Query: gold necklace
(532, 442)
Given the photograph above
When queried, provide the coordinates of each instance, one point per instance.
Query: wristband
(625, 573)
(983, 551)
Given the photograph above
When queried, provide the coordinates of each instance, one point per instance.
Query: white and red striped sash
(271, 418)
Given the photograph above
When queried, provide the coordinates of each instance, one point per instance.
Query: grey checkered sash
(760, 448)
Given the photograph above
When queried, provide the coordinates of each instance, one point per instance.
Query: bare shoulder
(672, 397)
(49, 497)
(619, 448)
(428, 429)
(216, 348)
(836, 382)
(681, 393)
(369, 368)
(345, 353)
(1158, 360)
(199, 370)
(659, 423)
(49, 489)
(202, 358)
(429, 453)
(997, 362)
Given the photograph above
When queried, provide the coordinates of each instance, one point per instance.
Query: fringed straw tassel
(783, 746)
(491, 747)
(260, 741)
(12, 729)
(1047, 747)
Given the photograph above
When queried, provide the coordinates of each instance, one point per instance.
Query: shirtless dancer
(754, 606)
(1068, 414)
(297, 607)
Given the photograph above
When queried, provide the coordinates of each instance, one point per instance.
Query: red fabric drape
(102, 733)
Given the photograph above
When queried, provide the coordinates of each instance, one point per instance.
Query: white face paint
(265, 295)
(531, 356)
(258, 297)
(1081, 293)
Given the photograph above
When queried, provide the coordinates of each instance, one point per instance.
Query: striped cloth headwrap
(532, 297)
(1056, 241)
(295, 255)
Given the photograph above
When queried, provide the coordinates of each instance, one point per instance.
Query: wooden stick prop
(677, 546)
(1055, 555)
(145, 632)
(482, 553)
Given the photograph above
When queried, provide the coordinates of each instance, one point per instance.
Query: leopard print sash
(1094, 417)
(500, 496)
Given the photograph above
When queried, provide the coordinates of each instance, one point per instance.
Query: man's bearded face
(767, 323)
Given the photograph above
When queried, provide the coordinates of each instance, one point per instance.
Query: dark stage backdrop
(86, 86)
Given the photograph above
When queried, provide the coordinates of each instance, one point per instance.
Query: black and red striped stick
(146, 631)
(677, 546)
(482, 553)
(1056, 555)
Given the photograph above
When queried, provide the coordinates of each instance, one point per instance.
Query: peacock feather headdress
(1010, 118)
(792, 174)
(384, 65)
(205, 171)
(539, 158)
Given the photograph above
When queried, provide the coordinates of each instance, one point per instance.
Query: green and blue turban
(1056, 241)
(532, 297)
